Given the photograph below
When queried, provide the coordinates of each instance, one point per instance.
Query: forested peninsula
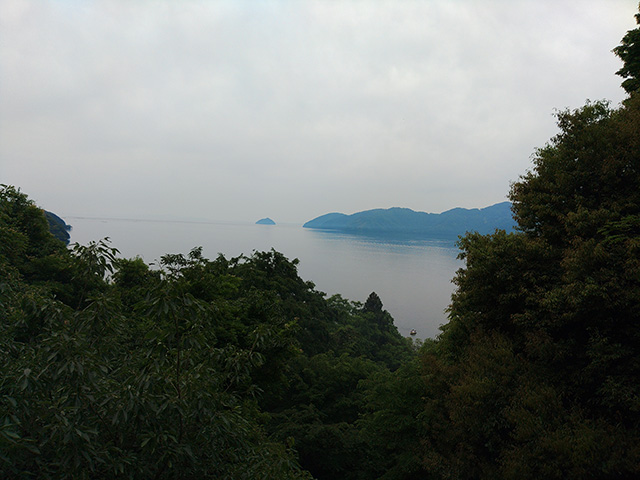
(451, 223)
(237, 368)
(58, 227)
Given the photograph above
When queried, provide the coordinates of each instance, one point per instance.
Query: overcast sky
(232, 110)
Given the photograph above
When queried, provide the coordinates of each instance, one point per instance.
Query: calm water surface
(412, 277)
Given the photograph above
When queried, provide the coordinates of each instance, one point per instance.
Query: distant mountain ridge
(456, 221)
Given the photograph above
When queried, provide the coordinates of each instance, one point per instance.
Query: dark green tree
(24, 233)
(535, 375)
(373, 303)
(128, 379)
(629, 53)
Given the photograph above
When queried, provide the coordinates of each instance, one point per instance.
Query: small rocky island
(265, 221)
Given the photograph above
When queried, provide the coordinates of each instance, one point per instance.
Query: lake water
(411, 276)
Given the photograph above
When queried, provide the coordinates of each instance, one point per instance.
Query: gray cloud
(237, 110)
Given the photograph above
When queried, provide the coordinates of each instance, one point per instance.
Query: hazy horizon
(236, 111)
(186, 219)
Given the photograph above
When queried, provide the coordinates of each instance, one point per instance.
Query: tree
(24, 231)
(373, 303)
(629, 53)
(535, 375)
(125, 377)
(390, 423)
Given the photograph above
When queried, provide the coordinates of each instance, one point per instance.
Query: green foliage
(590, 302)
(98, 396)
(126, 377)
(535, 375)
(390, 422)
(629, 53)
(373, 303)
(201, 369)
(319, 413)
(583, 178)
(24, 231)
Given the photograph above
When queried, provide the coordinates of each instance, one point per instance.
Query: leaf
(32, 448)
(11, 434)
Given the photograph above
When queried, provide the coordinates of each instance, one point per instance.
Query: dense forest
(238, 368)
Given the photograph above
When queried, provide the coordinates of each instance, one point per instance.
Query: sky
(239, 110)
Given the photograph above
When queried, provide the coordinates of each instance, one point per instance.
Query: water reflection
(411, 275)
(389, 242)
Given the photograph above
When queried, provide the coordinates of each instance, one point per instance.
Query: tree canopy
(629, 53)
(231, 368)
(535, 375)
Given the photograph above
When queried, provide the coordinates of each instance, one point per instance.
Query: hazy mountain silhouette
(453, 222)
